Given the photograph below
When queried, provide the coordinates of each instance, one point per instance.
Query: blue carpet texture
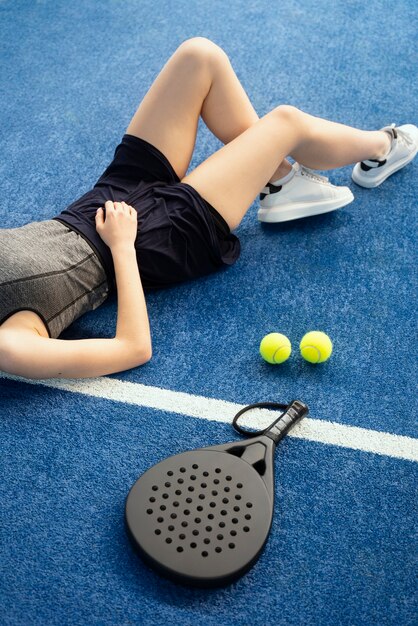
(342, 546)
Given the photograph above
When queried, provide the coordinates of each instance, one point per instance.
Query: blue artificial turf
(342, 544)
(339, 551)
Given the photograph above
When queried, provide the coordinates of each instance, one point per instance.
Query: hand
(120, 227)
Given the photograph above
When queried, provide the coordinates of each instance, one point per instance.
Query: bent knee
(293, 116)
(201, 50)
(288, 111)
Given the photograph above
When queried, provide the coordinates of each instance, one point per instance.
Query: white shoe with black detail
(304, 195)
(404, 146)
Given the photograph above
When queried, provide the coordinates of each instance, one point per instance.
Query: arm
(25, 353)
(132, 324)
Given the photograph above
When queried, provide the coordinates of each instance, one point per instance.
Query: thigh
(231, 178)
(169, 113)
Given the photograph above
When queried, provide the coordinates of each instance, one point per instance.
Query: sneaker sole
(378, 181)
(297, 211)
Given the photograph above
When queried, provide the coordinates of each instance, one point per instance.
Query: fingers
(131, 209)
(128, 208)
(118, 206)
(99, 217)
(110, 206)
(113, 206)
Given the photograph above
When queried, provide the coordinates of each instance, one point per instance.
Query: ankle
(283, 169)
(384, 145)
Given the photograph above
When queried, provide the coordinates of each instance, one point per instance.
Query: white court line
(331, 433)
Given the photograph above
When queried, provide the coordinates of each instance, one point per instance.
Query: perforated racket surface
(202, 517)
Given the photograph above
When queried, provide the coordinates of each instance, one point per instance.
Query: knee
(294, 117)
(288, 112)
(201, 51)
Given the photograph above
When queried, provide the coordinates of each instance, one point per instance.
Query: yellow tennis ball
(275, 348)
(316, 347)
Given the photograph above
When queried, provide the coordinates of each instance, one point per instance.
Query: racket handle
(294, 412)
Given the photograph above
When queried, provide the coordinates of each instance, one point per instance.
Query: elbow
(148, 354)
(134, 354)
(144, 354)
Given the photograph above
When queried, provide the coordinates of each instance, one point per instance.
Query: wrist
(124, 249)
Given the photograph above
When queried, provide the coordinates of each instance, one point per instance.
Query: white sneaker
(373, 172)
(305, 194)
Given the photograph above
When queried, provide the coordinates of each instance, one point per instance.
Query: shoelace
(306, 171)
(401, 136)
(406, 139)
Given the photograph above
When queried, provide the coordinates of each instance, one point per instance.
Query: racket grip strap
(294, 412)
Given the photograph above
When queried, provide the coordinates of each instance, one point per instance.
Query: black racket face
(201, 517)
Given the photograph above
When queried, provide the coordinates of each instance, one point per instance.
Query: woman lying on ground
(146, 225)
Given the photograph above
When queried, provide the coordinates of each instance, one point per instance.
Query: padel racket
(202, 517)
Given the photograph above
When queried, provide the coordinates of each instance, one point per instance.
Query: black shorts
(180, 235)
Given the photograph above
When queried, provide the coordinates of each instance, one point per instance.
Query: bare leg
(231, 178)
(331, 145)
(197, 80)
